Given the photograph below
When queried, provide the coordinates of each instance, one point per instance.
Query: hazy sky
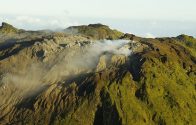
(141, 17)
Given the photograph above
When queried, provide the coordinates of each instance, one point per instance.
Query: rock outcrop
(7, 28)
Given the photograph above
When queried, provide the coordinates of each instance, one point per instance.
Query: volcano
(95, 75)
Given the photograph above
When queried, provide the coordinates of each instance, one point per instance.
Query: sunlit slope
(95, 31)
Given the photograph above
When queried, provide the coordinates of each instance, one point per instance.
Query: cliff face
(65, 80)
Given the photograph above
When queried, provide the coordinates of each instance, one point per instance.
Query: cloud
(28, 19)
(149, 35)
(38, 22)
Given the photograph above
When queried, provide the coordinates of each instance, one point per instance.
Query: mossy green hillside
(95, 31)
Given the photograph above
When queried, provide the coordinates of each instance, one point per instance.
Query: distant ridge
(95, 31)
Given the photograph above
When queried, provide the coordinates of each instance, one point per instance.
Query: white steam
(76, 60)
(115, 47)
(70, 62)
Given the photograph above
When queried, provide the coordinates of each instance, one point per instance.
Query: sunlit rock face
(83, 79)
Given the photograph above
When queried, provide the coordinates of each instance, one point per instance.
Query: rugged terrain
(77, 77)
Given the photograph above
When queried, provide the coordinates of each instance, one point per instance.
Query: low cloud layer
(149, 35)
(38, 22)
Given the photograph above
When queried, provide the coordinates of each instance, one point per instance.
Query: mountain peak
(95, 31)
(4, 24)
(184, 37)
(98, 25)
(7, 28)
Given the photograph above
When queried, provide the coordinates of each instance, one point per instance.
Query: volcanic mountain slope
(73, 80)
(95, 31)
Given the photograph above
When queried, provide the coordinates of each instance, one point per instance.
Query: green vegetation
(188, 42)
(154, 86)
(96, 31)
(7, 28)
